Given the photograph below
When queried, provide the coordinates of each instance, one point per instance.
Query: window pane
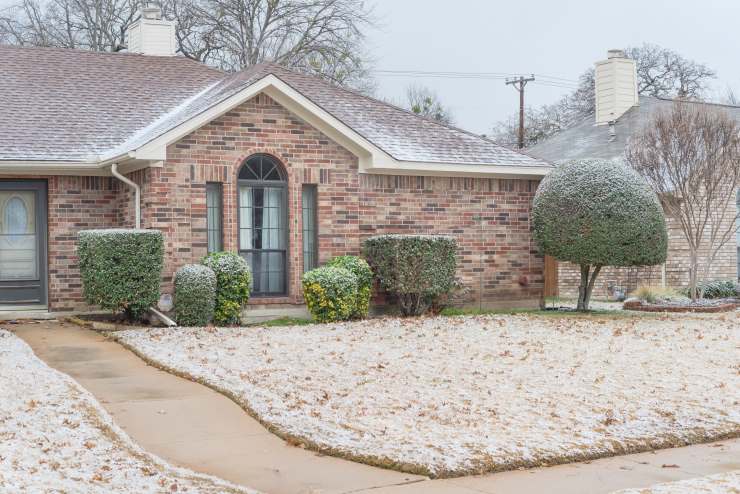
(309, 207)
(18, 256)
(214, 216)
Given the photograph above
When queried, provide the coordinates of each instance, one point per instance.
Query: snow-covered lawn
(451, 396)
(54, 437)
(723, 483)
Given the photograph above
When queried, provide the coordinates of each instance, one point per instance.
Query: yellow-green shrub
(330, 293)
(361, 269)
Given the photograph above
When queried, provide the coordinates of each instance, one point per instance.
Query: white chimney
(151, 35)
(616, 87)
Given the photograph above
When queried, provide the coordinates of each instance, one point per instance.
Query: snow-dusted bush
(330, 293)
(233, 279)
(416, 268)
(195, 295)
(121, 269)
(598, 213)
(719, 289)
(361, 269)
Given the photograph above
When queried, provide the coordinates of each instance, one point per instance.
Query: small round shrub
(195, 295)
(121, 269)
(361, 269)
(330, 293)
(719, 289)
(418, 269)
(233, 279)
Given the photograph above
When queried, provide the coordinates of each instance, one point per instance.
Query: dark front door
(22, 242)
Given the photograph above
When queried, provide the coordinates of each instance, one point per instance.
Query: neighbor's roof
(587, 140)
(71, 105)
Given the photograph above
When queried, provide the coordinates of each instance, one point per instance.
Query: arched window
(263, 223)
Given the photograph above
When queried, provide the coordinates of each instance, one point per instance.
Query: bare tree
(660, 72)
(325, 37)
(690, 155)
(425, 102)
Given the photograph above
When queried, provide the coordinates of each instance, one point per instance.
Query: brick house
(281, 167)
(620, 112)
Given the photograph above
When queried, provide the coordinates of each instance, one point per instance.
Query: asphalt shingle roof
(72, 105)
(587, 140)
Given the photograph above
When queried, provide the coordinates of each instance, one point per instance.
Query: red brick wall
(496, 252)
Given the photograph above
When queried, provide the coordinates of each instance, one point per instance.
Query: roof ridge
(695, 102)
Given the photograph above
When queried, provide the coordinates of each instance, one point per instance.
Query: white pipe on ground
(133, 185)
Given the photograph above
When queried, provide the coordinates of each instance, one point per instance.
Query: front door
(22, 242)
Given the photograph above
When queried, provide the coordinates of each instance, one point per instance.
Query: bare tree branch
(690, 156)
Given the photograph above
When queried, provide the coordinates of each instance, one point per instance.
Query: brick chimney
(616, 87)
(151, 35)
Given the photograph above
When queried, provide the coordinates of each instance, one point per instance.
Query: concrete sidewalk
(190, 425)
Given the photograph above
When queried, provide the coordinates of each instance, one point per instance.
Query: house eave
(100, 168)
(529, 172)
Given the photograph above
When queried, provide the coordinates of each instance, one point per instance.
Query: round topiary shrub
(598, 213)
(418, 269)
(121, 269)
(233, 279)
(195, 295)
(330, 293)
(361, 269)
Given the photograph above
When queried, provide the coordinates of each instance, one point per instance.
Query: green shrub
(416, 268)
(361, 269)
(121, 269)
(330, 293)
(718, 289)
(597, 213)
(233, 279)
(195, 295)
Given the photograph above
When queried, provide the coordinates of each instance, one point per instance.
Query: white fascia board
(459, 170)
(52, 168)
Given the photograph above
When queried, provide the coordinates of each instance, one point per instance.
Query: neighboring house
(620, 113)
(281, 167)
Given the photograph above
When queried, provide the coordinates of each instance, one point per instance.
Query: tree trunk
(693, 274)
(583, 288)
(590, 288)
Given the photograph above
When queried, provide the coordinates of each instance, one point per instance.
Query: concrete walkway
(190, 425)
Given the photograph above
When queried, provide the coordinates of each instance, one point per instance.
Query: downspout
(137, 203)
(133, 185)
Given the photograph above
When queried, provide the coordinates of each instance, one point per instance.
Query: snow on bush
(360, 268)
(330, 293)
(54, 437)
(722, 483)
(457, 395)
(599, 212)
(416, 268)
(195, 295)
(233, 281)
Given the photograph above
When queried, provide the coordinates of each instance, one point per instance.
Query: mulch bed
(725, 306)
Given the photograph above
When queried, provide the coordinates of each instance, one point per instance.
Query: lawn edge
(696, 436)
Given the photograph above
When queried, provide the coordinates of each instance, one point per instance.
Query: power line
(471, 75)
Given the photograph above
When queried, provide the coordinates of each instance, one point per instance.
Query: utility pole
(519, 83)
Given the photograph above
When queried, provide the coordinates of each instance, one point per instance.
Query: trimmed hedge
(601, 213)
(233, 279)
(416, 268)
(330, 293)
(121, 269)
(195, 295)
(361, 269)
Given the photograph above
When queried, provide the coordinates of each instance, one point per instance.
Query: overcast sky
(555, 38)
